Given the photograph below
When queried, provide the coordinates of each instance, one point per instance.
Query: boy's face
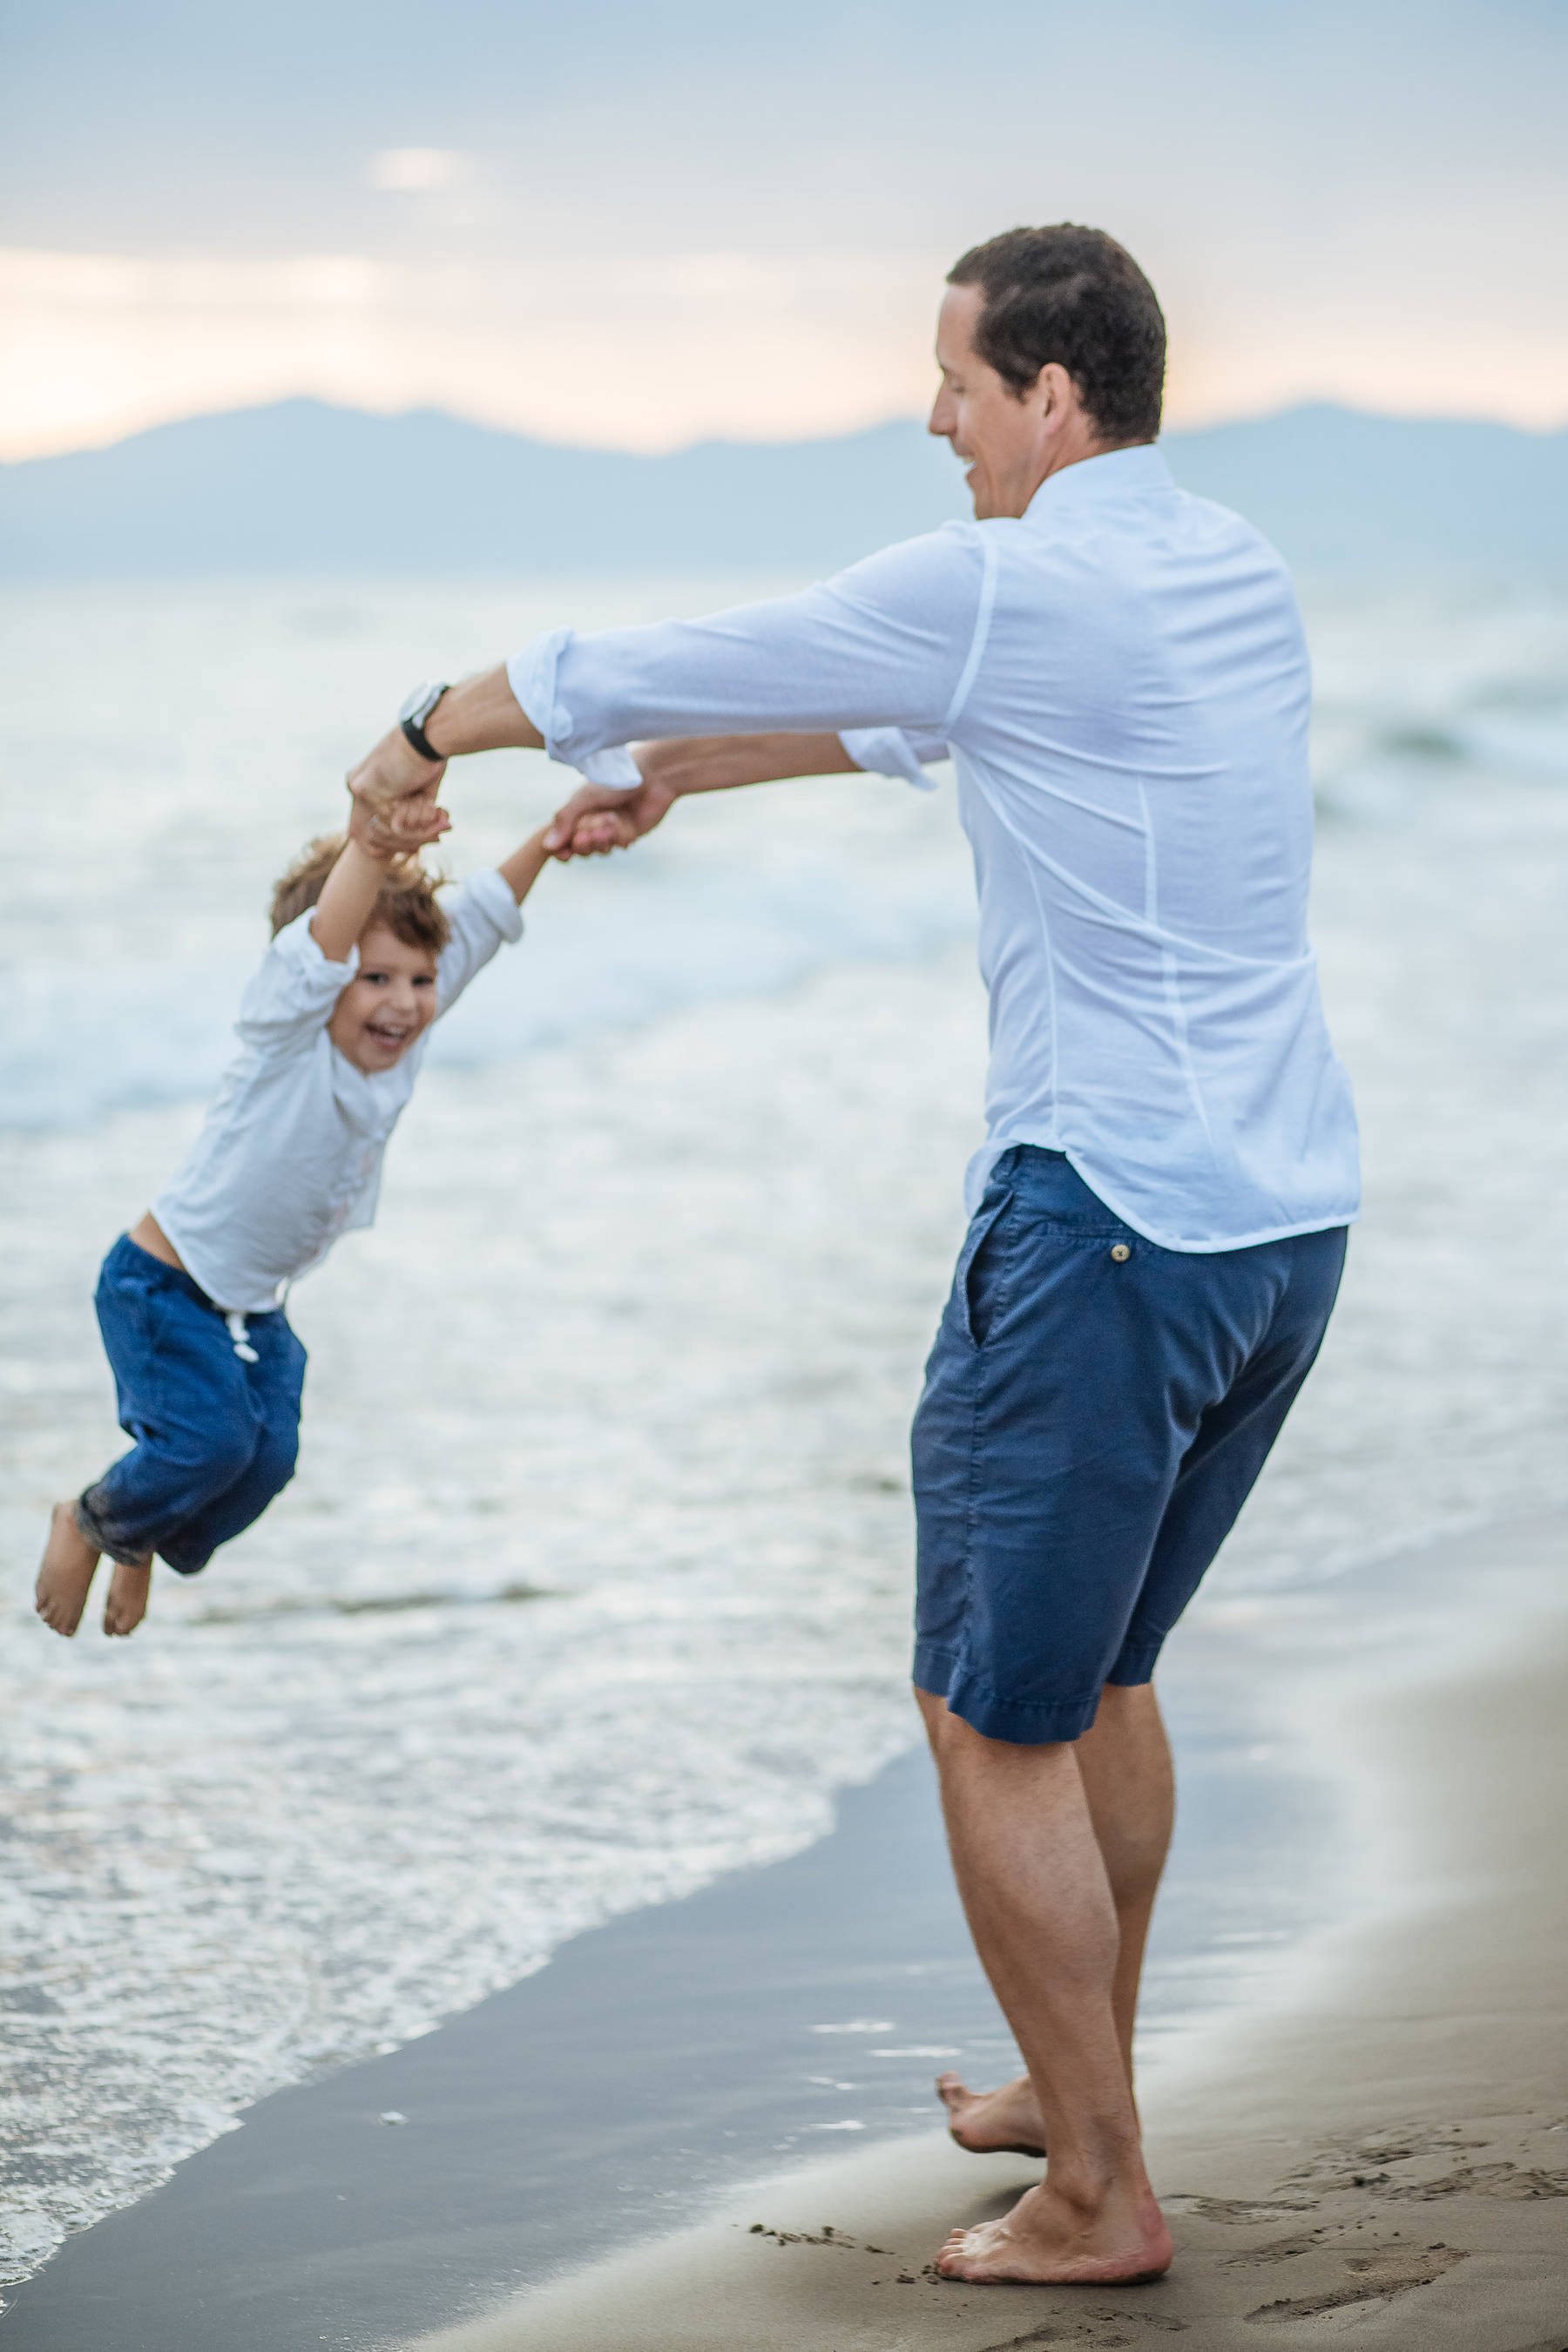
(389, 1002)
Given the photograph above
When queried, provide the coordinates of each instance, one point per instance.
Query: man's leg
(1040, 1904)
(1088, 1397)
(1124, 1764)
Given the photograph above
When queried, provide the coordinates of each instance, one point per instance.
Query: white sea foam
(593, 1581)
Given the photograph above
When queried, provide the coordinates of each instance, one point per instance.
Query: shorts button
(1120, 1253)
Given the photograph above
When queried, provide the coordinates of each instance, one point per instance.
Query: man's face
(1008, 445)
(390, 1002)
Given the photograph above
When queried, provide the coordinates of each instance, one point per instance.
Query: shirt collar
(1094, 481)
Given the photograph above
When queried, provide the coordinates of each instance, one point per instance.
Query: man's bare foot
(65, 1577)
(994, 2123)
(127, 1602)
(1045, 2242)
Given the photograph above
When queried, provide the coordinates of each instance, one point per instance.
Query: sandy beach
(1382, 2154)
(1361, 2125)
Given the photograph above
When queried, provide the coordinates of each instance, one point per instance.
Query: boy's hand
(385, 834)
(595, 836)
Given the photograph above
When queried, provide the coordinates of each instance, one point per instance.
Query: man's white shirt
(290, 1155)
(1120, 680)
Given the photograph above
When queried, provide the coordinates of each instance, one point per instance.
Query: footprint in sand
(1278, 2250)
(1377, 2277)
(1242, 2212)
(1488, 2181)
(1101, 2330)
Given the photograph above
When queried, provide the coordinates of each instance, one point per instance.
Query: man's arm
(895, 642)
(394, 784)
(608, 816)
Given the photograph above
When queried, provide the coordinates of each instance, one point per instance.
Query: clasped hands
(397, 808)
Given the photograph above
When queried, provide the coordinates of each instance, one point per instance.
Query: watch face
(420, 704)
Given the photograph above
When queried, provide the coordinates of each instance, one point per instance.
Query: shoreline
(670, 2062)
(1381, 2146)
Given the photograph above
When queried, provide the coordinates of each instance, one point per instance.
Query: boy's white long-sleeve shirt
(290, 1155)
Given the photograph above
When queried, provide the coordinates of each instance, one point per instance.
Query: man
(1118, 672)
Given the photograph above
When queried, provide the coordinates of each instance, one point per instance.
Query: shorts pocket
(979, 1284)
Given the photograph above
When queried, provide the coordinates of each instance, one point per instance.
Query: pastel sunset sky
(637, 225)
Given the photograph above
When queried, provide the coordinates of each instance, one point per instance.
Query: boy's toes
(127, 1602)
(65, 1576)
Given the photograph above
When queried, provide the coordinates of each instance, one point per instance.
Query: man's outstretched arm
(893, 644)
(610, 816)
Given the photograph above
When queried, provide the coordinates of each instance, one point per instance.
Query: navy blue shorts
(217, 1433)
(1096, 1411)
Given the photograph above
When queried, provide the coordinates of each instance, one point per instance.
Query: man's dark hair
(1075, 296)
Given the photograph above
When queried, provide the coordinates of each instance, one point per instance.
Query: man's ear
(1054, 393)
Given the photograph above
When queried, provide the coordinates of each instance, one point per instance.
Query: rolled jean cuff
(99, 1536)
(1023, 1723)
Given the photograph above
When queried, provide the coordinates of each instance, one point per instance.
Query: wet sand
(1383, 2154)
(666, 2054)
(1374, 2138)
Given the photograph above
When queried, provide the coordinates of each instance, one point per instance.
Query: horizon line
(741, 441)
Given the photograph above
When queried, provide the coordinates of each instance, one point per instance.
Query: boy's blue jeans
(217, 1437)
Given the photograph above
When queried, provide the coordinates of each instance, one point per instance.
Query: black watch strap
(420, 740)
(412, 723)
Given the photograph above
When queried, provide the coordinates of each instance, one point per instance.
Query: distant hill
(301, 487)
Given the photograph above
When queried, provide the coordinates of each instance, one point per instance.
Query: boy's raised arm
(522, 869)
(350, 890)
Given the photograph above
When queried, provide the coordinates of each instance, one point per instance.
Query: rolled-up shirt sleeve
(892, 643)
(895, 751)
(292, 997)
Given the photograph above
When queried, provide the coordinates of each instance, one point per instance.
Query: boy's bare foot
(994, 2123)
(1046, 2242)
(64, 1578)
(127, 1602)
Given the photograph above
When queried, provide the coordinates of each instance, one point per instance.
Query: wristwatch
(414, 714)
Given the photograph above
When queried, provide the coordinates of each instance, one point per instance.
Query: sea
(595, 1580)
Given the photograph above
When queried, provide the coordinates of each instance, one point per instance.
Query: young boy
(208, 1374)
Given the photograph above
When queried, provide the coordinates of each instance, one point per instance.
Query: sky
(637, 226)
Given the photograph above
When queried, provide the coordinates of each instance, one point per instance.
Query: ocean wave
(76, 1052)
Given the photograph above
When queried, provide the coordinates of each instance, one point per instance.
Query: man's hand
(477, 714)
(395, 798)
(605, 816)
(599, 817)
(394, 772)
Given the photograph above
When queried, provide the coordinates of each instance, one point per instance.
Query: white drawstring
(242, 1347)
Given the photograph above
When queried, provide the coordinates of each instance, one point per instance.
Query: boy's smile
(390, 1002)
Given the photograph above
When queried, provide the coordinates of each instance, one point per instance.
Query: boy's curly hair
(406, 902)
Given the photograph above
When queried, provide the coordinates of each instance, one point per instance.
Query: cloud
(621, 353)
(632, 226)
(648, 351)
(417, 171)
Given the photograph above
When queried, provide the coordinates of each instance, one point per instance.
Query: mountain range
(301, 487)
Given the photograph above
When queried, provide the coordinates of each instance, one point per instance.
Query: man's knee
(1126, 1702)
(954, 1740)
